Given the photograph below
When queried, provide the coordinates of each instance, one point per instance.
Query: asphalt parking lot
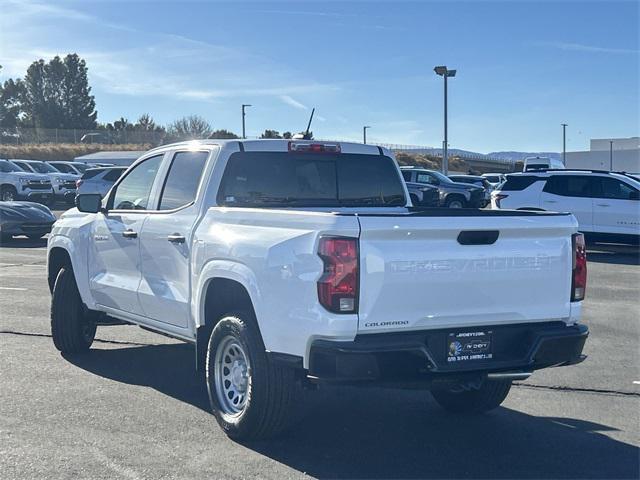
(134, 408)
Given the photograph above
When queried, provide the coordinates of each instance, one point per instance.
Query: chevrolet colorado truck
(291, 263)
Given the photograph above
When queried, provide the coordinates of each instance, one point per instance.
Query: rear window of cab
(290, 179)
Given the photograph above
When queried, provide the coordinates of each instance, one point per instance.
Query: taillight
(300, 147)
(338, 286)
(499, 196)
(579, 278)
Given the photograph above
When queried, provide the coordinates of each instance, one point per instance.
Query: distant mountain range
(513, 156)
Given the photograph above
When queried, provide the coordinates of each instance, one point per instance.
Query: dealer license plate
(469, 346)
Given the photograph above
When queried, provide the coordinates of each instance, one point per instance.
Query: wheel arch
(224, 286)
(57, 259)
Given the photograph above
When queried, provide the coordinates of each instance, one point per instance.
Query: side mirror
(635, 195)
(89, 202)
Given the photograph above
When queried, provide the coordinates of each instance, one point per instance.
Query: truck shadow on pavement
(23, 242)
(375, 433)
(613, 254)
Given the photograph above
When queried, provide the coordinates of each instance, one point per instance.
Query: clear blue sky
(523, 67)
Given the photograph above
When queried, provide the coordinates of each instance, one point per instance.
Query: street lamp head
(245, 105)
(441, 70)
(451, 73)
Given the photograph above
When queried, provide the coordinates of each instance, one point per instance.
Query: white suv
(606, 204)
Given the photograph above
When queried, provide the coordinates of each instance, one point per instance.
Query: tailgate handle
(478, 237)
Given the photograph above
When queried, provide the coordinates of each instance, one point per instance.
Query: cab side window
(132, 193)
(426, 178)
(181, 185)
(616, 190)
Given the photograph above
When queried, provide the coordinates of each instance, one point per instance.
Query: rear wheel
(71, 329)
(454, 201)
(250, 396)
(473, 400)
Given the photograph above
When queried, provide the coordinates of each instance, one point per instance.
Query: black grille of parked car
(36, 227)
(39, 185)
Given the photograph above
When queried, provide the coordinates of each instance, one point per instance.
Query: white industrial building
(617, 154)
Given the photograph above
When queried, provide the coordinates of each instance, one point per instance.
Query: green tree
(223, 134)
(79, 104)
(287, 135)
(271, 134)
(11, 103)
(189, 128)
(58, 94)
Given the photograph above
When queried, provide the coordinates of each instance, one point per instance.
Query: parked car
(606, 204)
(423, 195)
(452, 194)
(74, 168)
(478, 181)
(24, 218)
(541, 163)
(16, 184)
(64, 184)
(288, 263)
(99, 180)
(495, 179)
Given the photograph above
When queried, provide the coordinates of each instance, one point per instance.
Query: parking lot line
(14, 288)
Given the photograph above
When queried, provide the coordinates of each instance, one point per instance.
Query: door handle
(176, 238)
(130, 234)
(602, 205)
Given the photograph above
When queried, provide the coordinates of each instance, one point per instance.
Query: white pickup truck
(289, 263)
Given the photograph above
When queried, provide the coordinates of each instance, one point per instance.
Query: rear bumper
(421, 356)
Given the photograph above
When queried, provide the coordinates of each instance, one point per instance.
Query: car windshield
(42, 167)
(7, 167)
(62, 167)
(441, 177)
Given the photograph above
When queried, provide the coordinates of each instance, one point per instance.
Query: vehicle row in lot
(24, 218)
(16, 184)
(289, 263)
(64, 184)
(606, 204)
(452, 194)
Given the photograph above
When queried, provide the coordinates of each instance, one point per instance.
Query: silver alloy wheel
(455, 204)
(232, 376)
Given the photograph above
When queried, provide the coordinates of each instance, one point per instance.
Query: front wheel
(250, 396)
(71, 329)
(473, 400)
(454, 202)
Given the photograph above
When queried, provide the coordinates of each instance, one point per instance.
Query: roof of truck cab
(273, 145)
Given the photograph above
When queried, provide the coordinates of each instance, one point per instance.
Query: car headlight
(58, 180)
(23, 180)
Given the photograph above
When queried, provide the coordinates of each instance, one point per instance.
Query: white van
(541, 163)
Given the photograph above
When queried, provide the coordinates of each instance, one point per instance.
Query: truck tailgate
(415, 274)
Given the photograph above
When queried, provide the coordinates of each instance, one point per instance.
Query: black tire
(271, 387)
(8, 193)
(455, 201)
(71, 329)
(489, 396)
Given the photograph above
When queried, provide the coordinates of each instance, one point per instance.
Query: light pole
(611, 155)
(443, 71)
(364, 134)
(244, 105)
(564, 144)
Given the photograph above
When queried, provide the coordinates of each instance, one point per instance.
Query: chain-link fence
(22, 136)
